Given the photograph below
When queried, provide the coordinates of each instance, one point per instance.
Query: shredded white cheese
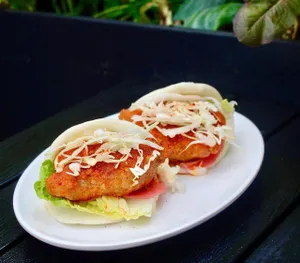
(109, 143)
(190, 114)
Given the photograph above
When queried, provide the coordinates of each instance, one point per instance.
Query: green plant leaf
(78, 9)
(27, 5)
(143, 11)
(134, 10)
(56, 7)
(259, 22)
(175, 5)
(215, 17)
(112, 3)
(70, 6)
(93, 7)
(112, 12)
(4, 4)
(190, 8)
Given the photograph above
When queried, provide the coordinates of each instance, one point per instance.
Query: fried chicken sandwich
(100, 172)
(191, 121)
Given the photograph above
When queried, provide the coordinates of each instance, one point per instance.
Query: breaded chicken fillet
(176, 148)
(191, 121)
(102, 178)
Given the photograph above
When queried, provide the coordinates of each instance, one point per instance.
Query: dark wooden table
(263, 225)
(249, 225)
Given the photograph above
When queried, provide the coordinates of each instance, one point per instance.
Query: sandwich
(191, 122)
(101, 172)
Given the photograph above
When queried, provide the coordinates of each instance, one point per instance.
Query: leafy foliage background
(254, 22)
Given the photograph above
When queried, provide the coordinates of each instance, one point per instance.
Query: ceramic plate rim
(142, 240)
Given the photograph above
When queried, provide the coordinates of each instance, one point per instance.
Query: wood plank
(195, 62)
(224, 238)
(268, 116)
(10, 230)
(18, 151)
(283, 245)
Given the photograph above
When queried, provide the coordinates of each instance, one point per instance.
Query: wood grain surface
(283, 245)
(225, 237)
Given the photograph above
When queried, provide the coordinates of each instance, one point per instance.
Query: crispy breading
(102, 179)
(174, 148)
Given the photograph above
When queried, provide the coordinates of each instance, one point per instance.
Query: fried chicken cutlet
(176, 148)
(102, 178)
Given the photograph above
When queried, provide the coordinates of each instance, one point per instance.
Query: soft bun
(68, 215)
(184, 88)
(88, 127)
(191, 88)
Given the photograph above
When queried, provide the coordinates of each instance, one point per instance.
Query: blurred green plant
(136, 11)
(26, 5)
(75, 8)
(255, 22)
(142, 11)
(209, 15)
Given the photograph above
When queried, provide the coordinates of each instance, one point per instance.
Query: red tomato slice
(220, 117)
(153, 189)
(204, 162)
(213, 157)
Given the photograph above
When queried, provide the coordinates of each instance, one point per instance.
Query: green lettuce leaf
(110, 207)
(46, 170)
(227, 107)
(117, 208)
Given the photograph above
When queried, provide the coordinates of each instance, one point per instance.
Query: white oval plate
(203, 198)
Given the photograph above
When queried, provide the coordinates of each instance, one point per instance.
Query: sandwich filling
(105, 163)
(190, 128)
(112, 174)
